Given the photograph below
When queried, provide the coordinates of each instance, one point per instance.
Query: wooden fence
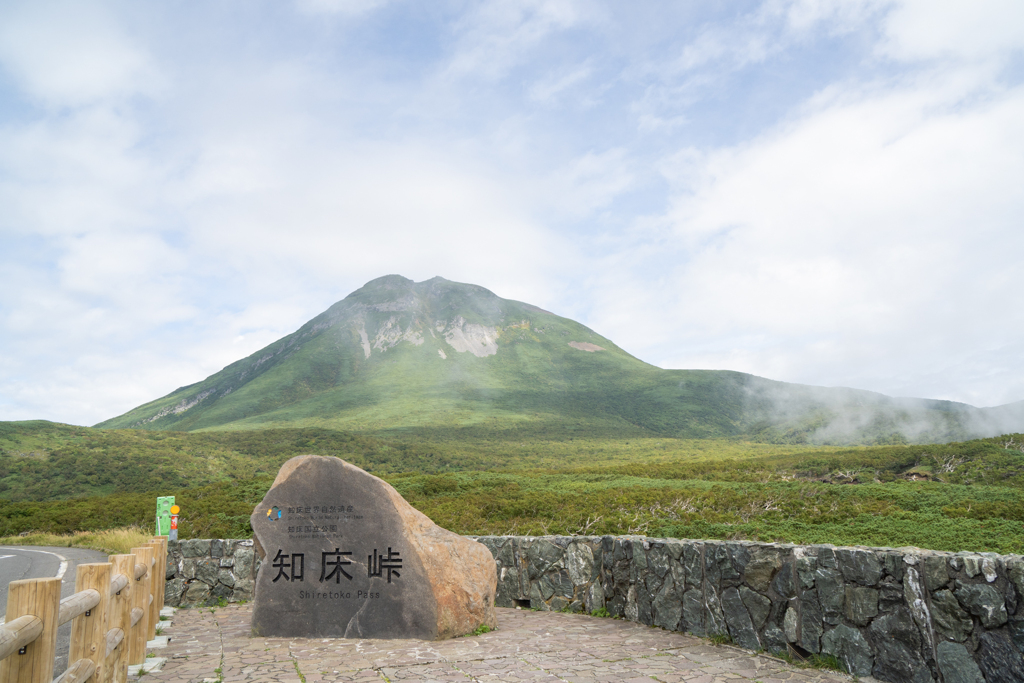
(115, 609)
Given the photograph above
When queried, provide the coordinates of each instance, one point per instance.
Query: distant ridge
(444, 357)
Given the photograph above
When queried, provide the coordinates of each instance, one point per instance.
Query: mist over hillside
(442, 358)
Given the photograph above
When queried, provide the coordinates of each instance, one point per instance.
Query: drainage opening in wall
(524, 604)
(797, 652)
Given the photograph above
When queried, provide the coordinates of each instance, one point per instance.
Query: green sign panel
(163, 515)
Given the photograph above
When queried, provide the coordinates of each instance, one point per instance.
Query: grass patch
(478, 631)
(113, 541)
(958, 496)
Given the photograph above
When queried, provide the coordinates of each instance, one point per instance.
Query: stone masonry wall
(904, 615)
(206, 571)
(899, 615)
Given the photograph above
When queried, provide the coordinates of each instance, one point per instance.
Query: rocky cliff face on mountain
(400, 355)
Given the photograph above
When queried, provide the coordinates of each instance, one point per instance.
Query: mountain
(443, 358)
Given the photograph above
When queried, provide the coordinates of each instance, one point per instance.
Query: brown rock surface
(344, 555)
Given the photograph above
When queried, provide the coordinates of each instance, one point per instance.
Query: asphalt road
(29, 562)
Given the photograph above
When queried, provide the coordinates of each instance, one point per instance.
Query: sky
(829, 193)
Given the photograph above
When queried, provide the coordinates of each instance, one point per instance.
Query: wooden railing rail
(114, 638)
(77, 604)
(16, 634)
(112, 616)
(118, 584)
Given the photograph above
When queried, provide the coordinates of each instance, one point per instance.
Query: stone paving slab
(214, 644)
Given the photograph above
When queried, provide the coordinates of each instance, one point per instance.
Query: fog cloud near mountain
(819, 193)
(835, 416)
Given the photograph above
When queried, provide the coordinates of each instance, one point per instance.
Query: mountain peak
(437, 335)
(437, 354)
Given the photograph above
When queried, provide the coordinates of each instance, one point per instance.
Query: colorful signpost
(174, 523)
(163, 515)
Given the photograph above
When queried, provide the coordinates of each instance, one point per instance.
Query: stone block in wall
(617, 580)
(628, 603)
(984, 602)
(595, 598)
(173, 590)
(860, 566)
(196, 593)
(195, 548)
(1015, 573)
(737, 619)
(892, 563)
(975, 565)
(849, 646)
(667, 606)
(693, 563)
(693, 612)
(757, 605)
(811, 622)
(831, 594)
(897, 642)
(580, 564)
(950, 621)
(648, 585)
(243, 562)
(761, 569)
(207, 570)
(956, 664)
(659, 559)
(556, 584)
(225, 577)
(715, 560)
(243, 591)
(1000, 661)
(509, 589)
(541, 556)
(861, 603)
(806, 564)
(773, 638)
(890, 592)
(791, 624)
(714, 614)
(1016, 629)
(934, 571)
(187, 567)
(915, 599)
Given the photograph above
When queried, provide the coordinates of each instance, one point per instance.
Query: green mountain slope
(439, 358)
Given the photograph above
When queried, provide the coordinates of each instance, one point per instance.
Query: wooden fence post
(116, 669)
(89, 630)
(141, 597)
(40, 598)
(159, 580)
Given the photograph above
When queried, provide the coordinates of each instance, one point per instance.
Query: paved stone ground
(215, 645)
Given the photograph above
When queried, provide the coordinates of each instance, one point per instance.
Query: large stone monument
(343, 555)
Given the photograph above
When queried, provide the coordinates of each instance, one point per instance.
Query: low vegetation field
(962, 496)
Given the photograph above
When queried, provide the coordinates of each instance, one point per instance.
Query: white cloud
(494, 37)
(857, 244)
(552, 87)
(71, 53)
(947, 29)
(343, 7)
